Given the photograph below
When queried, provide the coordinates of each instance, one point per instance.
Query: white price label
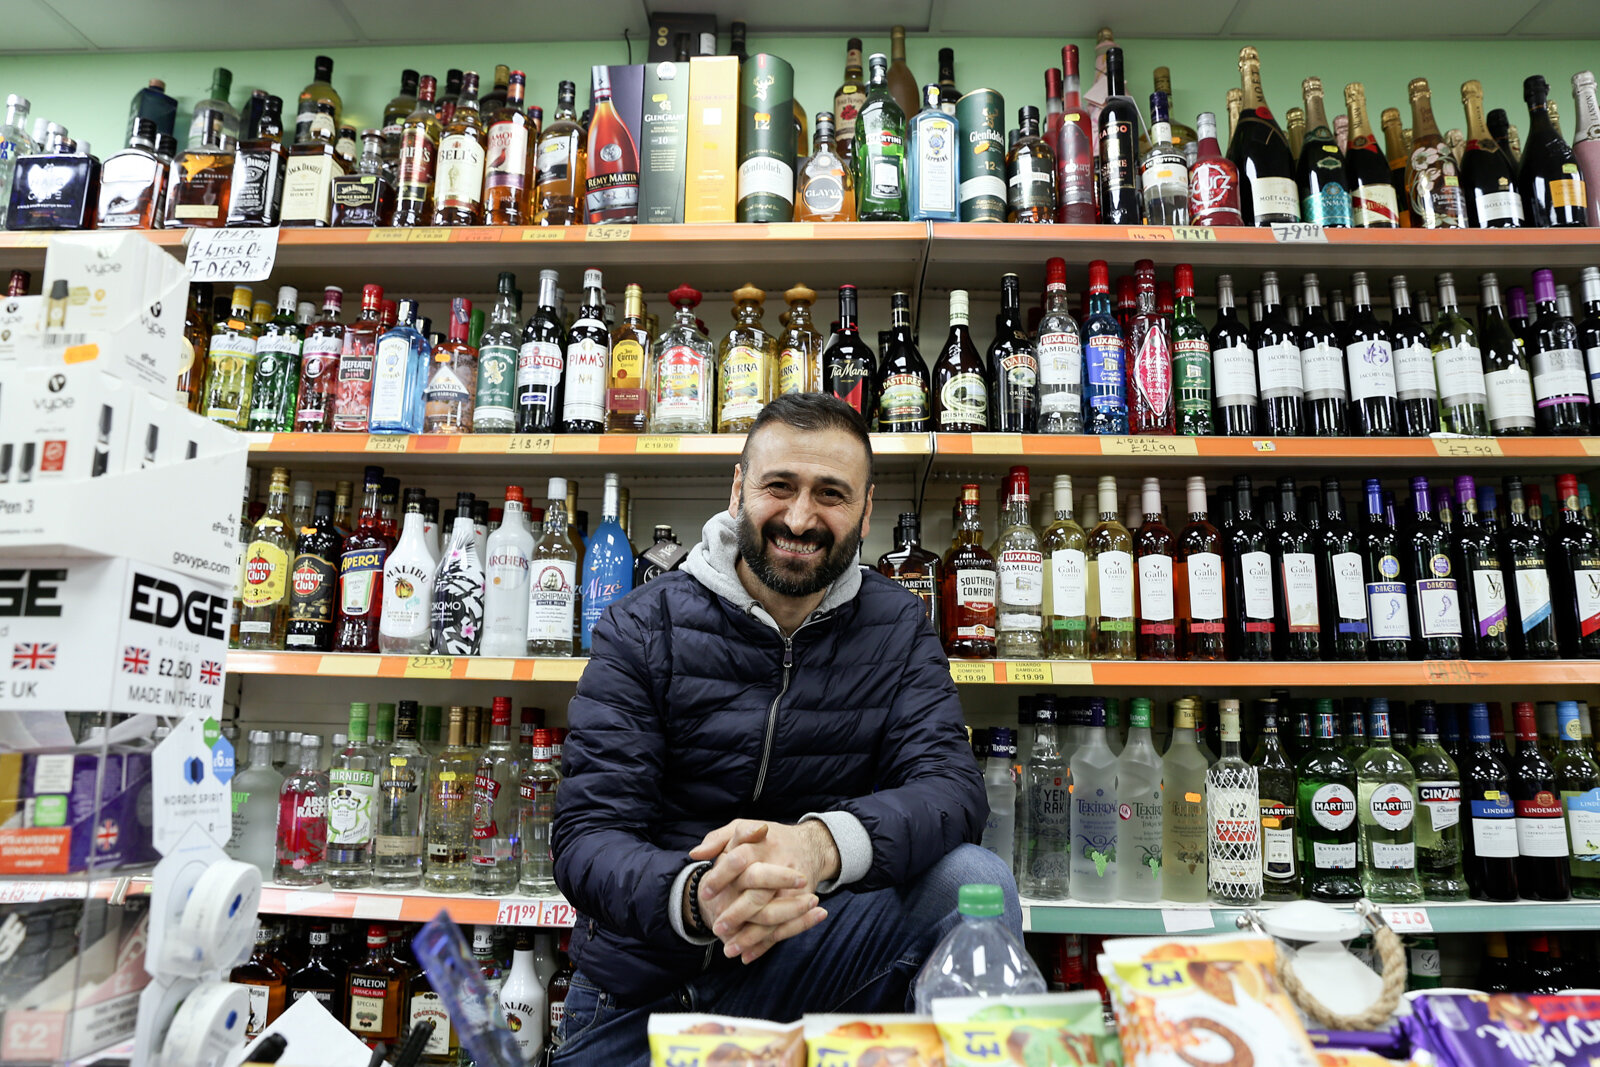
(1289, 232)
(231, 255)
(557, 913)
(514, 912)
(1407, 920)
(1187, 920)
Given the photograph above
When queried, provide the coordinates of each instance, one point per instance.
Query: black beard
(835, 557)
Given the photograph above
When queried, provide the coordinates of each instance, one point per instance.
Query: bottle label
(1567, 192)
(497, 369)
(963, 400)
(260, 1006)
(1152, 372)
(884, 173)
(1155, 594)
(920, 586)
(1032, 186)
(904, 400)
(350, 796)
(823, 194)
(407, 598)
(625, 389)
(935, 155)
(369, 1002)
(1115, 582)
(1559, 377)
(1333, 807)
(1583, 824)
(1165, 177)
(312, 589)
(553, 156)
(507, 156)
(1541, 826)
(766, 176)
(416, 164)
(1256, 573)
(1490, 589)
(792, 366)
(266, 574)
(1494, 827)
(1586, 580)
(1234, 371)
(1510, 396)
(308, 189)
(1414, 374)
(1330, 207)
(1021, 578)
(1300, 592)
(1460, 370)
(1322, 371)
(1205, 592)
(446, 387)
(1435, 187)
(1235, 837)
(551, 585)
(588, 360)
(1348, 589)
(1371, 370)
(1333, 856)
(1438, 601)
(1068, 588)
(426, 1006)
(1281, 371)
(1277, 839)
(1275, 200)
(1191, 370)
(1104, 363)
(391, 367)
(1214, 194)
(1499, 207)
(1533, 594)
(1021, 371)
(1394, 856)
(1060, 367)
(681, 384)
(1442, 803)
(975, 606)
(1392, 806)
(1592, 357)
(1375, 205)
(360, 571)
(744, 385)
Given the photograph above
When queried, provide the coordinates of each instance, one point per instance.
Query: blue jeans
(862, 958)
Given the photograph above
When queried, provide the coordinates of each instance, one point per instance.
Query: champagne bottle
(1373, 204)
(1320, 172)
(1549, 179)
(1488, 182)
(1432, 184)
(1586, 139)
(1267, 189)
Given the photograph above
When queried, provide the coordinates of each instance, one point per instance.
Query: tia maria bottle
(1560, 381)
(1267, 189)
(1233, 368)
(1104, 357)
(1117, 150)
(1431, 574)
(1149, 346)
(1013, 367)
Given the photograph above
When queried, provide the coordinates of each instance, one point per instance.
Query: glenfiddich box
(980, 118)
(766, 140)
(713, 151)
(663, 142)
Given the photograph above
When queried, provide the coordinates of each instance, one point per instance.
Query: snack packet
(1202, 1000)
(1033, 1030)
(872, 1041)
(1505, 1029)
(695, 1040)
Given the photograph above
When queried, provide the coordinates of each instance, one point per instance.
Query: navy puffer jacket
(694, 711)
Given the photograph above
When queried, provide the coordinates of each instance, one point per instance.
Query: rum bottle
(562, 157)
(799, 368)
(458, 181)
(259, 163)
(879, 143)
(914, 567)
(745, 359)
(588, 358)
(510, 168)
(627, 409)
(960, 393)
(419, 147)
(682, 396)
(612, 182)
(967, 597)
(264, 577)
(826, 191)
(314, 582)
(377, 992)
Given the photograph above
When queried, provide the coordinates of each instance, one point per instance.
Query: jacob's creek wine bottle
(1278, 364)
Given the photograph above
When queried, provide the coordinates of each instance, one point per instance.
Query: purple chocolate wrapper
(1389, 1043)
(1505, 1029)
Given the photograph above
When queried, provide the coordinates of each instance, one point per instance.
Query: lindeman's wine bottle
(1267, 189)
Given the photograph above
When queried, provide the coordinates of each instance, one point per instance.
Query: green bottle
(1386, 803)
(880, 155)
(1438, 811)
(1578, 782)
(1326, 810)
(230, 364)
(277, 369)
(1280, 868)
(1191, 358)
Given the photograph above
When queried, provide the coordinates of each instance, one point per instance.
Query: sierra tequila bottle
(1386, 808)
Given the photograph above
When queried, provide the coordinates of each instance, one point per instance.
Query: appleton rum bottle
(612, 183)
(969, 586)
(377, 988)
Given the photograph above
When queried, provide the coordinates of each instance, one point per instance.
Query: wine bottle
(1249, 573)
(1432, 183)
(1431, 575)
(1524, 554)
(1322, 368)
(1394, 149)
(1505, 367)
(1372, 198)
(1153, 549)
(1589, 340)
(1295, 593)
(1560, 381)
(1341, 578)
(1267, 189)
(1149, 345)
(1320, 170)
(1117, 150)
(1586, 139)
(1388, 609)
(1369, 357)
(1459, 366)
(1278, 366)
(1491, 840)
(1013, 367)
(1104, 358)
(1549, 179)
(1543, 869)
(1198, 582)
(1233, 365)
(1415, 381)
(1075, 178)
(1476, 551)
(1111, 580)
(1191, 359)
(1575, 576)
(1488, 182)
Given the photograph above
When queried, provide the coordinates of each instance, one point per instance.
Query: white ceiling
(142, 25)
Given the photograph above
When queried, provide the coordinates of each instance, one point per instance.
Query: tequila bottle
(1325, 809)
(682, 372)
(352, 789)
(1233, 814)
(1021, 567)
(448, 819)
(397, 809)
(745, 359)
(1046, 852)
(1140, 831)
(496, 835)
(536, 810)
(1438, 834)
(303, 819)
(1386, 810)
(1183, 811)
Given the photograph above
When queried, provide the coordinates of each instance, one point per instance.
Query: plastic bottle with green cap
(981, 957)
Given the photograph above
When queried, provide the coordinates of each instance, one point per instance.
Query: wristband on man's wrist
(697, 923)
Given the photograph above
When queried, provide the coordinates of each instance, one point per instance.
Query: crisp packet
(1505, 1029)
(872, 1041)
(1202, 1000)
(1031, 1030)
(694, 1040)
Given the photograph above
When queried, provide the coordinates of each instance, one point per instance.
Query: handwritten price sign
(231, 255)
(1467, 446)
(1148, 446)
(1299, 232)
(1452, 672)
(428, 666)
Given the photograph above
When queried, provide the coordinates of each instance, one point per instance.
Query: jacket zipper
(772, 714)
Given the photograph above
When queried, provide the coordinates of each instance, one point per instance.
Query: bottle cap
(749, 294)
(979, 900)
(1055, 273)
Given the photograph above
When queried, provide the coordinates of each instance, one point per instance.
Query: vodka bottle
(303, 819)
(1139, 832)
(1094, 811)
(255, 807)
(448, 818)
(607, 562)
(352, 788)
(457, 616)
(505, 589)
(1045, 859)
(397, 811)
(408, 585)
(536, 808)
(496, 837)
(999, 829)
(1233, 810)
(552, 580)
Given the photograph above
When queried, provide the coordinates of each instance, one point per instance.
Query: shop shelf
(380, 905)
(1163, 917)
(357, 665)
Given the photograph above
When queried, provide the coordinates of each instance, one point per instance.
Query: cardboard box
(665, 26)
(713, 146)
(67, 828)
(71, 423)
(663, 142)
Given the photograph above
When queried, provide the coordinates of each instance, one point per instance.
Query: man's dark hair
(812, 411)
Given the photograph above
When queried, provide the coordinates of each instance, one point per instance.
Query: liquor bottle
(308, 179)
(522, 1000)
(1435, 598)
(493, 405)
(264, 576)
(1325, 810)
(1059, 349)
(932, 171)
(456, 620)
(1213, 180)
(1560, 377)
(264, 978)
(1488, 179)
(1258, 149)
(1320, 172)
(254, 796)
(1433, 187)
(1154, 550)
(197, 326)
(849, 97)
(397, 807)
(509, 165)
(681, 393)
(799, 366)
(506, 573)
(914, 567)
(314, 581)
(826, 189)
(352, 402)
(1491, 844)
(607, 563)
(1459, 366)
(1524, 553)
(1013, 367)
(1066, 589)
(352, 795)
(1575, 577)
(1233, 367)
(535, 813)
(1298, 623)
(626, 396)
(1438, 822)
(132, 183)
(15, 142)
(230, 365)
(1321, 368)
(199, 187)
(321, 976)
(496, 835)
(1047, 846)
(452, 382)
(1104, 359)
(1544, 867)
(1278, 364)
(1373, 202)
(612, 182)
(1076, 192)
(1482, 584)
(879, 150)
(563, 163)
(1030, 174)
(1507, 382)
(587, 360)
(1021, 575)
(1280, 862)
(1093, 870)
(318, 362)
(1191, 360)
(540, 363)
(318, 91)
(1248, 568)
(407, 591)
(447, 820)
(902, 386)
(361, 575)
(1149, 344)
(1117, 150)
(967, 599)
(459, 170)
(1000, 825)
(1184, 823)
(748, 353)
(553, 580)
(400, 376)
(960, 393)
(365, 196)
(1233, 816)
(377, 988)
(1385, 812)
(1375, 408)
(303, 819)
(1548, 176)
(419, 149)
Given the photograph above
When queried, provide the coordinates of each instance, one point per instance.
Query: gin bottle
(1046, 851)
(255, 807)
(932, 147)
(352, 788)
(303, 819)
(1021, 566)
(397, 809)
(457, 616)
(1386, 810)
(400, 376)
(496, 836)
(1140, 832)
(536, 810)
(448, 818)
(1233, 813)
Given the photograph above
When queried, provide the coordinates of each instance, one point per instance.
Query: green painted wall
(89, 93)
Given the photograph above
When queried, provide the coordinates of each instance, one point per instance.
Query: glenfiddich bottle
(612, 182)
(916, 569)
(969, 586)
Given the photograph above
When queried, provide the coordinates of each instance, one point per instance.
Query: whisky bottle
(849, 97)
(562, 158)
(458, 175)
(765, 179)
(366, 196)
(509, 162)
(55, 188)
(880, 157)
(745, 359)
(132, 183)
(308, 180)
(968, 588)
(258, 170)
(395, 112)
(1030, 173)
(826, 190)
(264, 977)
(199, 186)
(419, 145)
(932, 176)
(612, 183)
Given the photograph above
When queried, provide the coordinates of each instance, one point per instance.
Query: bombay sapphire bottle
(399, 376)
(931, 173)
